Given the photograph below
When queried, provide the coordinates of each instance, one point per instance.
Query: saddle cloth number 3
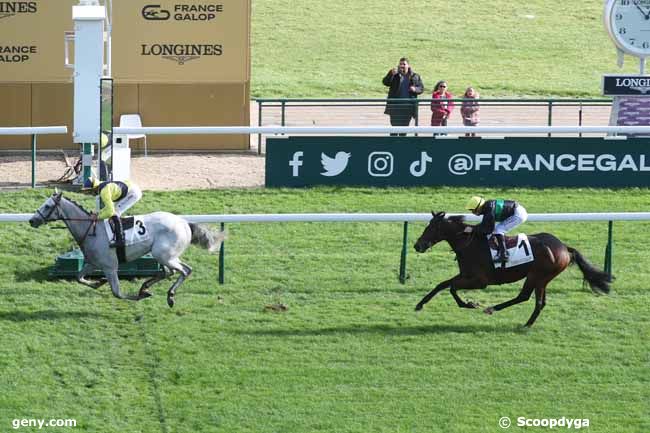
(519, 254)
(133, 235)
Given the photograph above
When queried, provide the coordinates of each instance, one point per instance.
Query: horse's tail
(207, 238)
(597, 279)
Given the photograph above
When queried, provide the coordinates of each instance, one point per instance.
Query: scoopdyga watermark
(548, 423)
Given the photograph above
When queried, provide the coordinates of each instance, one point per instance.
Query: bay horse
(168, 236)
(476, 270)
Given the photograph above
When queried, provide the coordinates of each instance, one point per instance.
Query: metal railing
(34, 131)
(404, 218)
(550, 106)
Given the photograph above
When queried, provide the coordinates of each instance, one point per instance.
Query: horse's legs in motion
(144, 292)
(467, 284)
(184, 271)
(539, 286)
(524, 295)
(455, 283)
(440, 287)
(114, 281)
(81, 277)
(540, 303)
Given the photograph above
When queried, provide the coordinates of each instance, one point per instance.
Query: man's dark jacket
(392, 81)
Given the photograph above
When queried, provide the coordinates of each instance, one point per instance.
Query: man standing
(404, 84)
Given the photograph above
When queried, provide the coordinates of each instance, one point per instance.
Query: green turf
(337, 48)
(349, 354)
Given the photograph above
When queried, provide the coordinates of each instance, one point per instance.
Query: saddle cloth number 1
(519, 254)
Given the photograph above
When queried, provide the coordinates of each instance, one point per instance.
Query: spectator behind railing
(441, 105)
(402, 83)
(469, 110)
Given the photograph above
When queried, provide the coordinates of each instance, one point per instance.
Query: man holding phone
(403, 84)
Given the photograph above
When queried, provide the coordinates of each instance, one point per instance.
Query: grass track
(349, 355)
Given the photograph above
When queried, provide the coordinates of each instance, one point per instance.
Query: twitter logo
(334, 166)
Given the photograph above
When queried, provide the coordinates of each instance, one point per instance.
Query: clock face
(628, 22)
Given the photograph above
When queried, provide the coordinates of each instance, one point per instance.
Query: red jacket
(442, 109)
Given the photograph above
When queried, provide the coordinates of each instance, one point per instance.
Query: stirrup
(501, 258)
(115, 244)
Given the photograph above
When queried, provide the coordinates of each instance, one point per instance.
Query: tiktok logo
(419, 167)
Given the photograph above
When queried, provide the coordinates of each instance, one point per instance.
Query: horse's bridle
(469, 239)
(57, 203)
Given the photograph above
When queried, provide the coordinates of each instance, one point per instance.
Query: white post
(88, 19)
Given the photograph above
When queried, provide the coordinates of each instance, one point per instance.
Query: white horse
(168, 236)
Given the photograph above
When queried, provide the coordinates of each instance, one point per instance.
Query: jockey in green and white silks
(116, 197)
(499, 217)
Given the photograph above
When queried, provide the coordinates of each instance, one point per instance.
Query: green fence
(574, 112)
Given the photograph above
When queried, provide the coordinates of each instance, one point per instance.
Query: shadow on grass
(27, 316)
(441, 328)
(36, 275)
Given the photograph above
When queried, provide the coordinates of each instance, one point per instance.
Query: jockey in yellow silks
(116, 197)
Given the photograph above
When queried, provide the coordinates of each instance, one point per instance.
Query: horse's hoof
(489, 311)
(144, 294)
(418, 307)
(170, 301)
(473, 305)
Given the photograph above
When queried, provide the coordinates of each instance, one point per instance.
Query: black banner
(626, 85)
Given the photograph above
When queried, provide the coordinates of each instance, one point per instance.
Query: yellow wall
(48, 104)
(39, 27)
(210, 89)
(15, 110)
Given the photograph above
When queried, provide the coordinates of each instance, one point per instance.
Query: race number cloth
(134, 230)
(520, 252)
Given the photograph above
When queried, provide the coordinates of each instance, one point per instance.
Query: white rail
(37, 130)
(323, 130)
(376, 217)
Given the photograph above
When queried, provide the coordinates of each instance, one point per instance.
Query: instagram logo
(380, 164)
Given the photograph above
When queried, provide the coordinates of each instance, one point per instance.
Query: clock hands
(645, 15)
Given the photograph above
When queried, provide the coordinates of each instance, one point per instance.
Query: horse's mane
(458, 219)
(78, 205)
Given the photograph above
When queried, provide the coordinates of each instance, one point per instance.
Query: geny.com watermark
(40, 423)
(550, 423)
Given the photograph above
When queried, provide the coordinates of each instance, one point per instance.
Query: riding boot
(502, 256)
(118, 240)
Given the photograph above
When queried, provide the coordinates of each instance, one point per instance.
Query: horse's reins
(57, 202)
(469, 239)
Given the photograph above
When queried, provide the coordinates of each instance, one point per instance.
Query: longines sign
(423, 161)
(181, 53)
(10, 9)
(181, 41)
(626, 85)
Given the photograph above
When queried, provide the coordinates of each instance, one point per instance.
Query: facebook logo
(295, 163)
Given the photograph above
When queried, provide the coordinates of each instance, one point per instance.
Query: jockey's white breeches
(520, 216)
(132, 197)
